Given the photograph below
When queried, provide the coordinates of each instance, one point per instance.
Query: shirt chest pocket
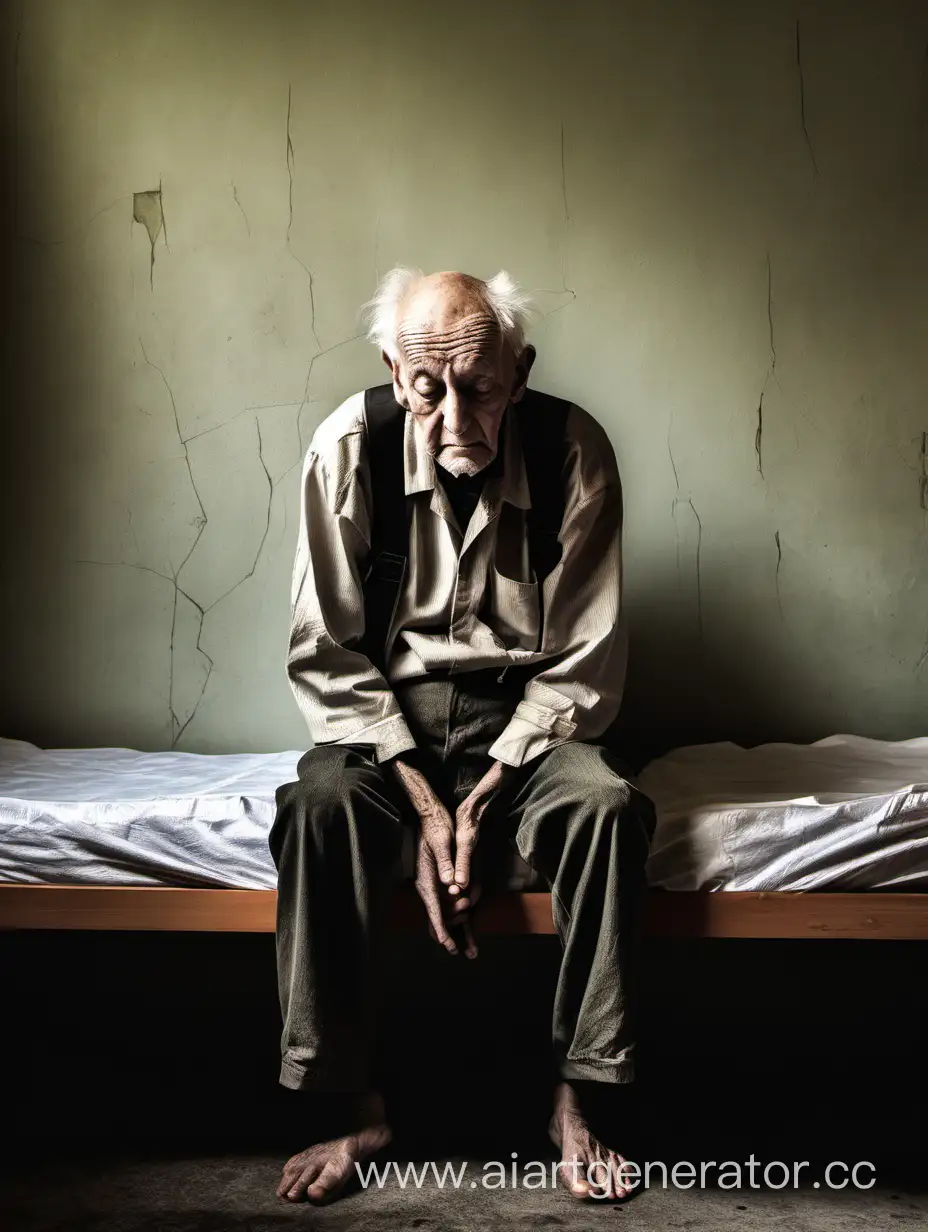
(515, 615)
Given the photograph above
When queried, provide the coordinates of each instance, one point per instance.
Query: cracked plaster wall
(721, 208)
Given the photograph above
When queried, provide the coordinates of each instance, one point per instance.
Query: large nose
(454, 412)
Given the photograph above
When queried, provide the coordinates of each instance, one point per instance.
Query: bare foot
(587, 1169)
(321, 1172)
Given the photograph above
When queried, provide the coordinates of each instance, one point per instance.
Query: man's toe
(300, 1187)
(288, 1178)
(330, 1180)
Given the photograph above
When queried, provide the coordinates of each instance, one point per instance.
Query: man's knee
(585, 775)
(332, 783)
(603, 804)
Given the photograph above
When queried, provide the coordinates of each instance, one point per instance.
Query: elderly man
(456, 649)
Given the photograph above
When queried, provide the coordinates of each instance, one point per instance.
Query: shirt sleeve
(578, 696)
(343, 697)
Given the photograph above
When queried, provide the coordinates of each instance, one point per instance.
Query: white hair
(511, 306)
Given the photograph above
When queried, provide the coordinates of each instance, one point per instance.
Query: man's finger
(465, 841)
(429, 895)
(470, 945)
(466, 901)
(439, 842)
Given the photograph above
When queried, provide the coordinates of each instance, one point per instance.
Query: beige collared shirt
(468, 600)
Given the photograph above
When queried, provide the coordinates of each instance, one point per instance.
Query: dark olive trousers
(572, 815)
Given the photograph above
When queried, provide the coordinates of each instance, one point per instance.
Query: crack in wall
(305, 399)
(312, 293)
(290, 158)
(267, 527)
(759, 435)
(923, 659)
(135, 538)
(200, 522)
(566, 242)
(802, 101)
(264, 406)
(681, 500)
(240, 206)
(177, 728)
(210, 664)
(202, 612)
(776, 576)
(771, 372)
(773, 349)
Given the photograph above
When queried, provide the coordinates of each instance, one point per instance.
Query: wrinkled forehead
(450, 338)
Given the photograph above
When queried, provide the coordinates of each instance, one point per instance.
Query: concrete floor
(231, 1193)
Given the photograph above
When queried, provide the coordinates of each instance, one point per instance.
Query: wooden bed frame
(868, 916)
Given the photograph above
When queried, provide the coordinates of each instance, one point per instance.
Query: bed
(118, 839)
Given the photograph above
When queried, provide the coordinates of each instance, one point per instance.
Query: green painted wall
(717, 203)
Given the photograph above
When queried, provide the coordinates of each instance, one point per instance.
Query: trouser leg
(582, 825)
(336, 841)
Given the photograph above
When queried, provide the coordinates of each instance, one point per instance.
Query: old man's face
(455, 371)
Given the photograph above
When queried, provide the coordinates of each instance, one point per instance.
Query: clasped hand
(445, 853)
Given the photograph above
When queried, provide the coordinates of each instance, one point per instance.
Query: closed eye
(426, 387)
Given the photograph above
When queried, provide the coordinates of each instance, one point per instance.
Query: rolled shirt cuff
(531, 731)
(388, 737)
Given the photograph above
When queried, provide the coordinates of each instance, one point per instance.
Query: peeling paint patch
(148, 212)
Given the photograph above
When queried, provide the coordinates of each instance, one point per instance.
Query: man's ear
(523, 368)
(398, 392)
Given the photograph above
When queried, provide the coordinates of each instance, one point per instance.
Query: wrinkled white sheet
(117, 817)
(843, 813)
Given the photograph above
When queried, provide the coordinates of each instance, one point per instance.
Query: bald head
(454, 366)
(441, 300)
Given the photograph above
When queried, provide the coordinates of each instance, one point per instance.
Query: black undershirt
(464, 491)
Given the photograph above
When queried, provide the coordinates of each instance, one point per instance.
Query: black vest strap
(386, 421)
(542, 427)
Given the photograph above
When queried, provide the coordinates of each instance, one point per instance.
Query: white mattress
(843, 813)
(117, 817)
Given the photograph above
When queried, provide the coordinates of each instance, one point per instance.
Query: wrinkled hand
(468, 818)
(445, 905)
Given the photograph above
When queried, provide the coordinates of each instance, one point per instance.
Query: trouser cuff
(309, 1078)
(589, 1070)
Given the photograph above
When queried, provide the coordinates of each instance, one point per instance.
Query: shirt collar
(420, 466)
